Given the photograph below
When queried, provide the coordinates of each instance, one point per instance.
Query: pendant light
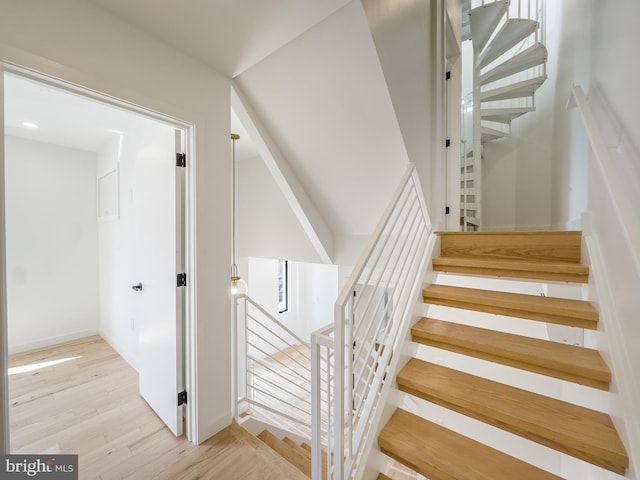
(238, 286)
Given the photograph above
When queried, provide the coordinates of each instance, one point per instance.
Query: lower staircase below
(298, 455)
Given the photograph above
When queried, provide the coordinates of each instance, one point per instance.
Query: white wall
(324, 103)
(598, 55)
(406, 37)
(85, 45)
(570, 144)
(52, 244)
(115, 254)
(266, 225)
(314, 289)
(318, 291)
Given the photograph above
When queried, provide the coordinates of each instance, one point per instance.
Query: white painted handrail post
(339, 392)
(366, 332)
(421, 200)
(234, 358)
(316, 410)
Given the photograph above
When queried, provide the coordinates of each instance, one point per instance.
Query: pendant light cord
(234, 267)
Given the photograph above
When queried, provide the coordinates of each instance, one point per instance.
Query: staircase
(509, 66)
(474, 344)
(297, 454)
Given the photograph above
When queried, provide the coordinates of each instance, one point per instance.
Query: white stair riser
(514, 445)
(516, 326)
(548, 386)
(530, 287)
(511, 444)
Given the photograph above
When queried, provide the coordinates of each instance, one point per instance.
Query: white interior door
(158, 302)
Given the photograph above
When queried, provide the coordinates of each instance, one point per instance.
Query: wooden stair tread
(567, 362)
(440, 454)
(562, 246)
(382, 476)
(533, 269)
(323, 454)
(301, 462)
(297, 448)
(583, 433)
(576, 313)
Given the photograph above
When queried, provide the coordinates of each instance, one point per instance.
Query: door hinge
(182, 279)
(447, 142)
(181, 159)
(447, 76)
(182, 398)
(446, 210)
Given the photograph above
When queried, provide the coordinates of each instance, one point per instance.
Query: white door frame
(189, 353)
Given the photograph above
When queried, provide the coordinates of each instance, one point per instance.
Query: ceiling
(62, 118)
(72, 121)
(228, 35)
(308, 68)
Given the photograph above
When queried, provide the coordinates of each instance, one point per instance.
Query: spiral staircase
(509, 65)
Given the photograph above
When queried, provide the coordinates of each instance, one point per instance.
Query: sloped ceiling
(310, 71)
(324, 100)
(228, 35)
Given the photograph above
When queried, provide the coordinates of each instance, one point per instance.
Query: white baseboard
(47, 342)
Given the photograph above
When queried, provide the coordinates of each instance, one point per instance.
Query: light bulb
(238, 286)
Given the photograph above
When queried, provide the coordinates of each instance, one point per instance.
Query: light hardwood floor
(88, 404)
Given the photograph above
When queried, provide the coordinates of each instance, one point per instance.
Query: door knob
(137, 287)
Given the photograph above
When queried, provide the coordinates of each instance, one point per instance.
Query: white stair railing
(271, 369)
(353, 357)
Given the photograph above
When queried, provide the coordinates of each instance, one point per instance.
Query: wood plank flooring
(82, 398)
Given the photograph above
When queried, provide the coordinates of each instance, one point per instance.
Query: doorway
(121, 180)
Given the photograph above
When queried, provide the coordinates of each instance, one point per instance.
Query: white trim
(189, 355)
(623, 367)
(4, 377)
(45, 342)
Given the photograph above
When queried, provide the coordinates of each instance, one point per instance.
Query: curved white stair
(485, 20)
(509, 67)
(512, 33)
(489, 134)
(529, 58)
(504, 115)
